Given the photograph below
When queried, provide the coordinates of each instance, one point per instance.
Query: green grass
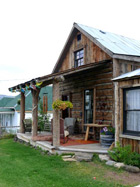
(23, 166)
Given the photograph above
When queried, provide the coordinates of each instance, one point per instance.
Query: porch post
(22, 113)
(56, 113)
(35, 95)
(117, 114)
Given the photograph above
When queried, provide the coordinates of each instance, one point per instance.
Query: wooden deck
(46, 145)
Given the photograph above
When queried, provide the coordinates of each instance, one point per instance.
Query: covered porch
(63, 148)
(95, 77)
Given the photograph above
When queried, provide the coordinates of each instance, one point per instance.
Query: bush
(125, 155)
(7, 136)
(42, 117)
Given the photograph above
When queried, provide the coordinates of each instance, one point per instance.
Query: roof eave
(127, 57)
(67, 44)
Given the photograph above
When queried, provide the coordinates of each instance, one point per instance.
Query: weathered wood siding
(126, 139)
(92, 53)
(135, 144)
(99, 79)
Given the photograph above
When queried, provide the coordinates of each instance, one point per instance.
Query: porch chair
(63, 132)
(27, 123)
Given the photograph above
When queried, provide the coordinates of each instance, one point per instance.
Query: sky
(33, 32)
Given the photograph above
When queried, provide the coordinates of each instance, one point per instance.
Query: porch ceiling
(48, 79)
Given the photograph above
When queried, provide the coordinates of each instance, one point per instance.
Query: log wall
(99, 80)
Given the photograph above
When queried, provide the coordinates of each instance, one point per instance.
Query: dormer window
(79, 58)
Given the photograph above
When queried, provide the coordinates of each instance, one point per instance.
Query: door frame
(83, 105)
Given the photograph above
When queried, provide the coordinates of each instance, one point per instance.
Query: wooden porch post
(117, 114)
(22, 113)
(56, 113)
(35, 95)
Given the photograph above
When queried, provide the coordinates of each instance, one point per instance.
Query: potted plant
(107, 136)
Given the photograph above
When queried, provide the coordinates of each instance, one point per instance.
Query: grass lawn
(23, 166)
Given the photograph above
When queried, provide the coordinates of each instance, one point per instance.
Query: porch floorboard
(46, 145)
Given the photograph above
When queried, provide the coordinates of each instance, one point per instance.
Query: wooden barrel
(106, 140)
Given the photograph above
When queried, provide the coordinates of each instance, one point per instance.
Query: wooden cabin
(83, 74)
(127, 95)
(91, 90)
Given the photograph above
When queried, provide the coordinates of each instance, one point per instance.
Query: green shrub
(7, 136)
(125, 155)
(42, 117)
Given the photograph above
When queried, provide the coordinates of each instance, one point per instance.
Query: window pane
(82, 61)
(88, 106)
(77, 56)
(133, 121)
(89, 116)
(132, 99)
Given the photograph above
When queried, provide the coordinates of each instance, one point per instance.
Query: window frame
(125, 131)
(76, 60)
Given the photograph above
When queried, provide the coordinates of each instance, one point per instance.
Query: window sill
(129, 137)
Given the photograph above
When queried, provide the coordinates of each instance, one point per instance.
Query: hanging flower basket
(61, 105)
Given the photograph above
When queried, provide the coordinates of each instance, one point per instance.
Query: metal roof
(115, 43)
(128, 75)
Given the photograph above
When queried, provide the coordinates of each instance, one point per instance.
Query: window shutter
(45, 104)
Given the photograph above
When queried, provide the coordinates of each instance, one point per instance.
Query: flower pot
(106, 140)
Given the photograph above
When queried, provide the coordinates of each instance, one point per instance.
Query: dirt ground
(125, 178)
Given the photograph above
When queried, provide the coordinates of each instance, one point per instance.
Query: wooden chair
(27, 123)
(62, 130)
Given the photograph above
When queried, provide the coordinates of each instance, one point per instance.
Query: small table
(93, 125)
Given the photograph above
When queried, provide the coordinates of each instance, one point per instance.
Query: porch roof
(48, 79)
(129, 75)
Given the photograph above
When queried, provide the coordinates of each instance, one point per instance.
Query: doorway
(65, 113)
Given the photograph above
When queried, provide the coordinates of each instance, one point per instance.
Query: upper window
(132, 111)
(79, 58)
(78, 37)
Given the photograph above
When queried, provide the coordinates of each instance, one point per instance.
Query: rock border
(119, 165)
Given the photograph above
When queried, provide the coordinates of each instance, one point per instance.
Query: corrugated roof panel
(116, 43)
(128, 75)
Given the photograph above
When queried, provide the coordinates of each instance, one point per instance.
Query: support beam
(117, 112)
(22, 113)
(56, 116)
(35, 96)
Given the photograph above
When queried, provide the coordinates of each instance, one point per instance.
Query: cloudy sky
(33, 32)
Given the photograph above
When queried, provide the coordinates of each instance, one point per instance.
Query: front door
(88, 106)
